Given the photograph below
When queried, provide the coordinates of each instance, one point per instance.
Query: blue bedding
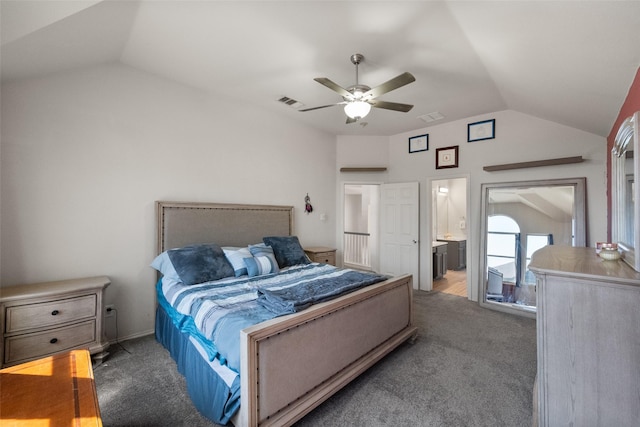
(214, 313)
(213, 387)
(296, 298)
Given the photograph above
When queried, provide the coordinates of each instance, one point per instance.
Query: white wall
(519, 138)
(85, 155)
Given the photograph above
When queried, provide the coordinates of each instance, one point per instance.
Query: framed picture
(419, 143)
(480, 131)
(447, 157)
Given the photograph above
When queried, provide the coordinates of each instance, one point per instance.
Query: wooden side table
(57, 390)
(321, 254)
(41, 319)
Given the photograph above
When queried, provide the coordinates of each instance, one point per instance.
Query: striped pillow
(263, 261)
(260, 265)
(236, 258)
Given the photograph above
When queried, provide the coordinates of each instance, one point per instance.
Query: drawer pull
(55, 312)
(53, 340)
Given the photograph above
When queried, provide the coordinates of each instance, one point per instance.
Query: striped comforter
(214, 313)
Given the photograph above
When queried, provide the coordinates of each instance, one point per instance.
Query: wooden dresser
(57, 390)
(40, 319)
(588, 331)
(321, 254)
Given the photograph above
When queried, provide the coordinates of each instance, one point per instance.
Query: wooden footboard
(293, 363)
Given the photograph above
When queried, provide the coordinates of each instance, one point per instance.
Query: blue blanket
(214, 313)
(299, 297)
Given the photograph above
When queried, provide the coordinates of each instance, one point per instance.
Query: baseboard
(132, 336)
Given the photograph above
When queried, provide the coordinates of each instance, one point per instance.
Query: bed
(334, 341)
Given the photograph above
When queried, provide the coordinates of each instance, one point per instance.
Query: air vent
(431, 117)
(291, 102)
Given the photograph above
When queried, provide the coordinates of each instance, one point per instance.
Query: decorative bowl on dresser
(41, 319)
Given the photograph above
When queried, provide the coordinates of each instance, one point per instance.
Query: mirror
(519, 218)
(625, 195)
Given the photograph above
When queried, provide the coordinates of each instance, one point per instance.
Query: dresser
(321, 254)
(58, 390)
(588, 334)
(41, 319)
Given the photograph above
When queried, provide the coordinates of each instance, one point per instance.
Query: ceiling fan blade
(388, 86)
(334, 87)
(322, 106)
(390, 105)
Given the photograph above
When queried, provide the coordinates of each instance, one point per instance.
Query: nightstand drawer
(29, 346)
(325, 257)
(321, 254)
(51, 313)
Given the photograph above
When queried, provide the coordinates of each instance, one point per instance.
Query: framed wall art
(480, 131)
(418, 143)
(447, 157)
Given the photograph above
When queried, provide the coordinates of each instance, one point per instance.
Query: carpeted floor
(470, 366)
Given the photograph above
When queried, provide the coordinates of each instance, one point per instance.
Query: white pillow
(236, 258)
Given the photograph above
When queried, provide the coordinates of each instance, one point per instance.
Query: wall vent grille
(291, 102)
(431, 117)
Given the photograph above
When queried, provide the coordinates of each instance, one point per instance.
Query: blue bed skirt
(210, 394)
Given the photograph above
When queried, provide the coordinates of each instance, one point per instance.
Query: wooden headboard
(185, 223)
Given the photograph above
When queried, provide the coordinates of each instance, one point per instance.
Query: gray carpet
(470, 366)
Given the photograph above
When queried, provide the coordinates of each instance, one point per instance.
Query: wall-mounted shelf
(535, 164)
(365, 169)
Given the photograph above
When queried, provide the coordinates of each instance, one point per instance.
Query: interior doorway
(449, 235)
(360, 239)
(381, 228)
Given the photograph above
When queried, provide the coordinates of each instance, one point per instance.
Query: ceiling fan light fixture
(358, 99)
(357, 109)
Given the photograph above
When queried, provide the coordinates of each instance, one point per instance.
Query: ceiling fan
(358, 99)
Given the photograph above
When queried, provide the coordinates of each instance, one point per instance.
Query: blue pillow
(236, 258)
(200, 263)
(268, 265)
(287, 250)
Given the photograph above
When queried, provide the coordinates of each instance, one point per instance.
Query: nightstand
(321, 254)
(42, 319)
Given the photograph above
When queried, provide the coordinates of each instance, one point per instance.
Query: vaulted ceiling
(570, 62)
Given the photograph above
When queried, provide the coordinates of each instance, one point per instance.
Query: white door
(399, 230)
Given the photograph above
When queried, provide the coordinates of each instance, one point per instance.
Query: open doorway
(360, 229)
(381, 227)
(449, 235)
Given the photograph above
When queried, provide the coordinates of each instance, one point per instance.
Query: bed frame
(334, 341)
